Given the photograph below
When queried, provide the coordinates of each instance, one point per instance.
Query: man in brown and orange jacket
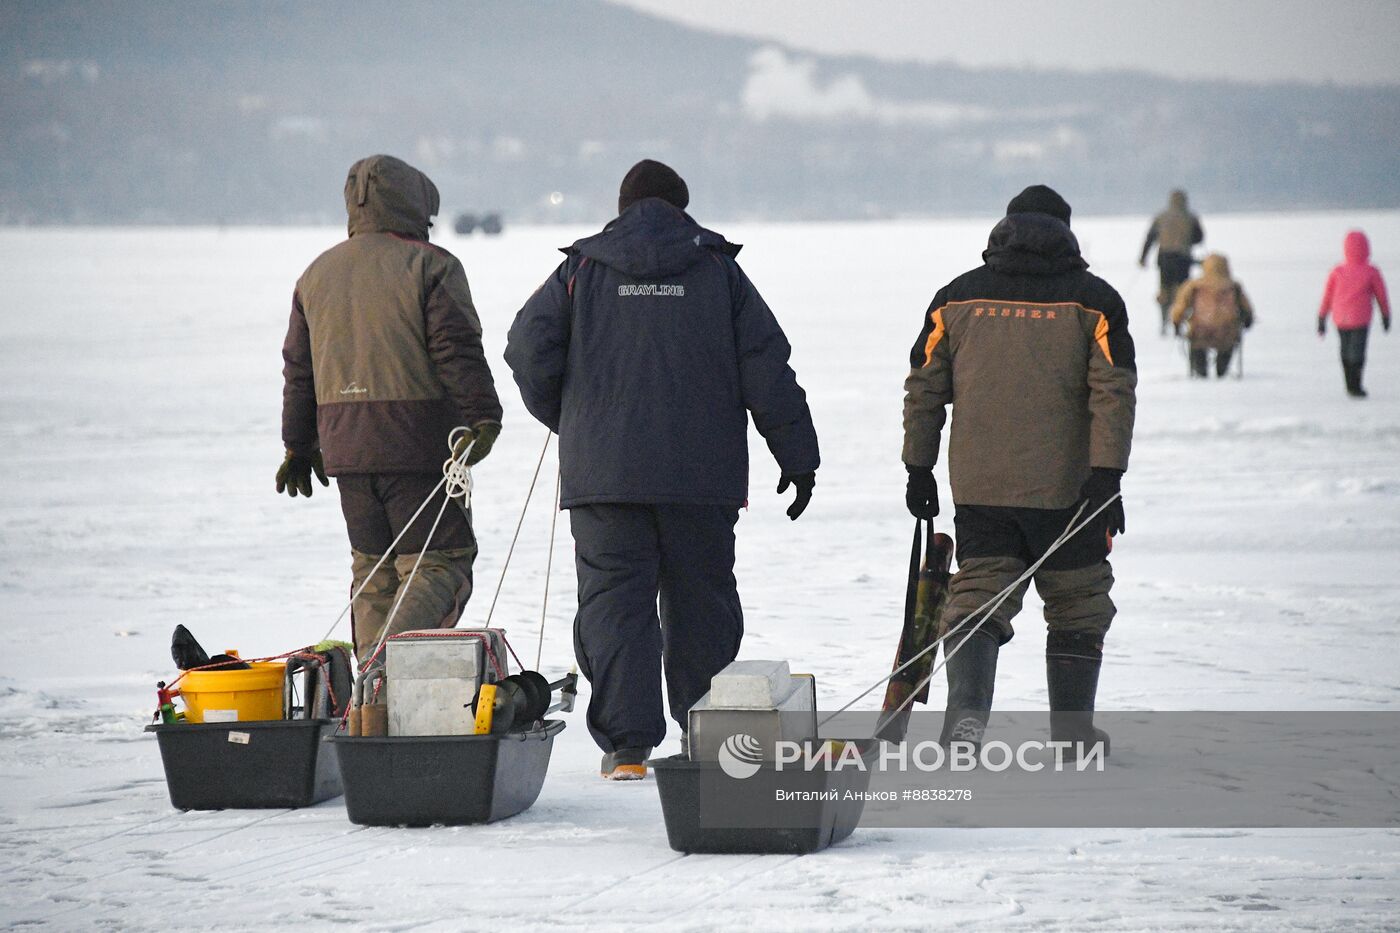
(1033, 353)
(383, 358)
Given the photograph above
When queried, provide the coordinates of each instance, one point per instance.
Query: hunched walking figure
(1215, 312)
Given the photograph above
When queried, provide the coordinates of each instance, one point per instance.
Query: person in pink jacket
(1351, 288)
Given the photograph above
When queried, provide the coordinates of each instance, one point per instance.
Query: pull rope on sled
(549, 564)
(985, 611)
(523, 509)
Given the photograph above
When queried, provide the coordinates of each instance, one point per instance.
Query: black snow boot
(1072, 661)
(1352, 371)
(1198, 364)
(972, 674)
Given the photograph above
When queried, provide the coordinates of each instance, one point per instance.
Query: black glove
(1102, 484)
(1322, 327)
(485, 433)
(1385, 324)
(804, 483)
(921, 495)
(294, 475)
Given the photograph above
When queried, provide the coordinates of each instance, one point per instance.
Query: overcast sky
(1343, 41)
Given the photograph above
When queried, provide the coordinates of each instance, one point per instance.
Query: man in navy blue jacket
(646, 351)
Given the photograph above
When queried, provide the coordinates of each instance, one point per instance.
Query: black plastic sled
(808, 826)
(448, 780)
(252, 765)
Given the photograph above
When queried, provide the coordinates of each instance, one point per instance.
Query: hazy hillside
(251, 111)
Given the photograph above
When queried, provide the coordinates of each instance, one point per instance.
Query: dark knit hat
(652, 179)
(1040, 199)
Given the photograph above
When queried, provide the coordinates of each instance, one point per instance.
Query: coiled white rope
(456, 475)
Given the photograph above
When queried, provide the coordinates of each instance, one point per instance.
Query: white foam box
(751, 685)
(432, 678)
(752, 703)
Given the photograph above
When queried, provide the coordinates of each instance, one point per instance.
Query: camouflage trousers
(377, 509)
(995, 545)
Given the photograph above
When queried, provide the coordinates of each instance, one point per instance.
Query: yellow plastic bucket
(234, 696)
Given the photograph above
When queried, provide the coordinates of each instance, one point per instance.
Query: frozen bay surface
(139, 410)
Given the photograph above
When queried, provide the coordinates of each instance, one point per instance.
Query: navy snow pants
(629, 555)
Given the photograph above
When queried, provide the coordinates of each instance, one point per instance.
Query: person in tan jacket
(1033, 354)
(383, 358)
(1215, 312)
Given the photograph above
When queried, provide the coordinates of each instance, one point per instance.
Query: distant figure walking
(1175, 231)
(1352, 286)
(1216, 312)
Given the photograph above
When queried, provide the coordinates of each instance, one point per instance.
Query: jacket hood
(1034, 244)
(653, 238)
(1215, 266)
(1356, 248)
(387, 195)
(1177, 200)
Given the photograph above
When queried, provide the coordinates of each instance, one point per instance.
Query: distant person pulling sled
(1215, 312)
(1033, 353)
(1351, 288)
(1174, 231)
(646, 351)
(383, 359)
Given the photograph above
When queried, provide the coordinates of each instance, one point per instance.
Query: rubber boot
(1352, 372)
(972, 674)
(1072, 661)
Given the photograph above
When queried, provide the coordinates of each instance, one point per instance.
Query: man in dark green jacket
(383, 358)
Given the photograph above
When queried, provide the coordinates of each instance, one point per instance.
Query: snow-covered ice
(139, 399)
